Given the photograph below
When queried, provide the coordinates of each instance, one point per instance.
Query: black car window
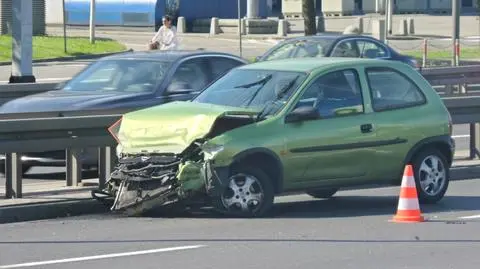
(345, 48)
(391, 89)
(369, 49)
(335, 94)
(192, 74)
(221, 65)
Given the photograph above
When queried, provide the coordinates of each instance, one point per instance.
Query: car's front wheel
(431, 175)
(249, 193)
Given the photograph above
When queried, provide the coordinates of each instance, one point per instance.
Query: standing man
(166, 37)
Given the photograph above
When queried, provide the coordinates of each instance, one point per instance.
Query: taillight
(115, 129)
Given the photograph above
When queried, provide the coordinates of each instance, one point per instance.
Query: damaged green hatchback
(311, 125)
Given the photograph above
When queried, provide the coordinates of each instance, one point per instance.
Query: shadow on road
(336, 207)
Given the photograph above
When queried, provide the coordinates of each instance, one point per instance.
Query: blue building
(149, 12)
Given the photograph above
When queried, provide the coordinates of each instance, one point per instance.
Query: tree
(308, 12)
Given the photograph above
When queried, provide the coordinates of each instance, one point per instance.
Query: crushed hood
(171, 127)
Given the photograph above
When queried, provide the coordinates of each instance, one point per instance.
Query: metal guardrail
(74, 130)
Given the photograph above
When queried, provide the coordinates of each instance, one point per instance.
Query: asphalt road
(350, 231)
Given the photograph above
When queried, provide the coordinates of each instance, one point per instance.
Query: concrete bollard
(181, 25)
(282, 27)
(214, 26)
(411, 26)
(378, 29)
(359, 24)
(403, 28)
(320, 20)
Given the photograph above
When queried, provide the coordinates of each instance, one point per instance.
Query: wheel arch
(271, 164)
(443, 143)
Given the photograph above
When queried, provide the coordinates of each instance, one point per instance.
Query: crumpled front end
(166, 165)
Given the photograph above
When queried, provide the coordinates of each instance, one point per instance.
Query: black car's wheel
(431, 175)
(249, 193)
(323, 193)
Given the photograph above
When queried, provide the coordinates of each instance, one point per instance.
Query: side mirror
(302, 113)
(256, 59)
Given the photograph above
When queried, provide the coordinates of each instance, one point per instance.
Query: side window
(335, 94)
(345, 49)
(190, 74)
(391, 89)
(221, 65)
(370, 49)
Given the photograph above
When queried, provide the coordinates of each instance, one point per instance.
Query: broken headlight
(211, 150)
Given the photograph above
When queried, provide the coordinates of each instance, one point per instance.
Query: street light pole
(92, 21)
(456, 31)
(239, 28)
(22, 49)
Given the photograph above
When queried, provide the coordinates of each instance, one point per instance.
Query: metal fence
(74, 130)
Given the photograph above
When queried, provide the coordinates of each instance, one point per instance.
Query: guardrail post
(74, 167)
(107, 160)
(13, 175)
(474, 140)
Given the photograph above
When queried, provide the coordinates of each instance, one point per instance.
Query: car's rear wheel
(323, 193)
(432, 175)
(249, 192)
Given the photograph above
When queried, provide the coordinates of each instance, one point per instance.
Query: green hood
(170, 127)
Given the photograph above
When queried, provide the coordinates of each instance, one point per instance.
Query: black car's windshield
(120, 75)
(253, 89)
(315, 47)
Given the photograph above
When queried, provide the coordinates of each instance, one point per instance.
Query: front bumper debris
(142, 183)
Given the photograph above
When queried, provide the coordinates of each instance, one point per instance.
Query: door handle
(366, 128)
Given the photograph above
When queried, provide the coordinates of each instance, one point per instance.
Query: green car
(277, 127)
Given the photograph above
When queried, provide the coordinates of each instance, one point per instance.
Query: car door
(192, 74)
(338, 145)
(371, 49)
(221, 65)
(345, 48)
(400, 117)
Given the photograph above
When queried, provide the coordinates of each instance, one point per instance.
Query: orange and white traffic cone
(408, 206)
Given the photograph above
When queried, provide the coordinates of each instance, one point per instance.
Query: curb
(73, 58)
(50, 210)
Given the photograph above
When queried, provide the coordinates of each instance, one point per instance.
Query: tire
(322, 193)
(262, 184)
(433, 191)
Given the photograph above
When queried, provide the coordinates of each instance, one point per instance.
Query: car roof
(171, 55)
(330, 36)
(310, 64)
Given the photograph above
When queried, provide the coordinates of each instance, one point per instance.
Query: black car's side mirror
(302, 113)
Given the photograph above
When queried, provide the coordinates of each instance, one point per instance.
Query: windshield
(252, 89)
(121, 75)
(301, 48)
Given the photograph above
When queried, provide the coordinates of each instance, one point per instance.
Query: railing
(75, 130)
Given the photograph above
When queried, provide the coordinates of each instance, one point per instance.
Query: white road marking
(460, 136)
(106, 256)
(471, 217)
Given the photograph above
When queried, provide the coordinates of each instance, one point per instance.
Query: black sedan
(335, 45)
(128, 80)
